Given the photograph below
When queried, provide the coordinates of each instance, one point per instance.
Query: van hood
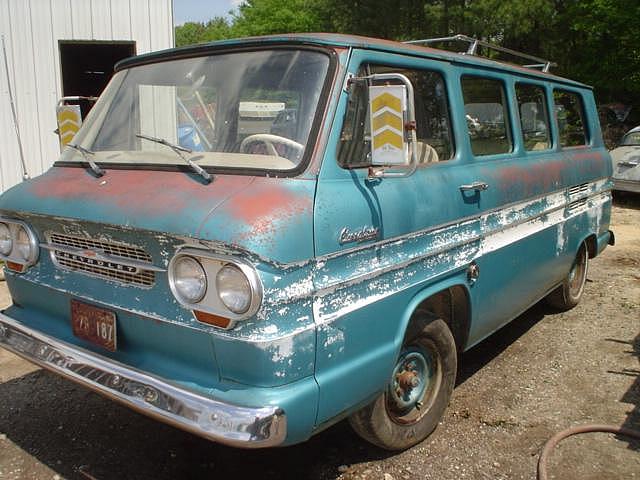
(266, 216)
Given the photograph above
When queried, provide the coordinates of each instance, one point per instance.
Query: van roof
(341, 40)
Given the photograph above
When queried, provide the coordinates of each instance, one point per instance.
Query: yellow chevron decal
(387, 137)
(64, 114)
(386, 100)
(69, 121)
(67, 137)
(69, 127)
(387, 119)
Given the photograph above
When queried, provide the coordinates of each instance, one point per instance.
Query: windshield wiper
(86, 154)
(179, 149)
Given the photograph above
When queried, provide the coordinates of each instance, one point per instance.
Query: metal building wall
(32, 29)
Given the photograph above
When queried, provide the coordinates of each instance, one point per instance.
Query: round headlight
(189, 280)
(234, 289)
(24, 245)
(6, 242)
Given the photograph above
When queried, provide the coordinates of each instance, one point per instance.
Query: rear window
(487, 115)
(570, 115)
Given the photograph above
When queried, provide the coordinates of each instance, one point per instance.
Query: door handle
(477, 186)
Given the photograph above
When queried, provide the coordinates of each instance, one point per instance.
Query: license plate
(96, 325)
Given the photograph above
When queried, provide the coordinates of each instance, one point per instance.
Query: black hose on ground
(558, 437)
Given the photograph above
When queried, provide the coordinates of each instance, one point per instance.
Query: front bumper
(153, 396)
(626, 185)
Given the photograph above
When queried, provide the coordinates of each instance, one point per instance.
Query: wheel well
(592, 245)
(452, 306)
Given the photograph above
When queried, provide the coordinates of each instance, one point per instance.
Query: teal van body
(338, 261)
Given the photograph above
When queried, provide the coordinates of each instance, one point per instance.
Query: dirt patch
(542, 373)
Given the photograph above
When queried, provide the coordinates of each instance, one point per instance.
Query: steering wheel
(268, 140)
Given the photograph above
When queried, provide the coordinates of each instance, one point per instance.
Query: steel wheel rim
(415, 383)
(578, 274)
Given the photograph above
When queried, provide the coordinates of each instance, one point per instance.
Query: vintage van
(254, 239)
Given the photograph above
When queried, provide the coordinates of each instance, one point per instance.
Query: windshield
(631, 138)
(250, 110)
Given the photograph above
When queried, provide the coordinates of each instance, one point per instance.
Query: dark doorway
(87, 67)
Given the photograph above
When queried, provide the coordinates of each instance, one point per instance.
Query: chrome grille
(110, 248)
(581, 189)
(71, 256)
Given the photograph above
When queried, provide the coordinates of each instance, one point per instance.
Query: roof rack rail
(474, 43)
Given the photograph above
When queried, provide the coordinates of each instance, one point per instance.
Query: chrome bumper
(626, 185)
(212, 419)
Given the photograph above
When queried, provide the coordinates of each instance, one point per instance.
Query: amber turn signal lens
(211, 319)
(16, 267)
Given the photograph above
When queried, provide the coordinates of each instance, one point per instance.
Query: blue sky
(201, 10)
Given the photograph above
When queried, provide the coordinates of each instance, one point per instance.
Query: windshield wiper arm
(179, 150)
(86, 154)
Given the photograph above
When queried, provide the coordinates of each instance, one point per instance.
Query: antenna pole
(25, 175)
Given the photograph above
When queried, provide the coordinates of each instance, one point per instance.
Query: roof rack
(474, 43)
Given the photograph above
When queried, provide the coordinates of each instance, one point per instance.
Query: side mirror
(392, 125)
(69, 117)
(388, 117)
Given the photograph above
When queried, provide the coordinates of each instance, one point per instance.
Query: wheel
(268, 140)
(419, 389)
(567, 295)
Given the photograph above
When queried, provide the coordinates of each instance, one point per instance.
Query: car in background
(626, 162)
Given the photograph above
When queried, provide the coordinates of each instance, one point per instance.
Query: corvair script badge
(362, 235)
(94, 262)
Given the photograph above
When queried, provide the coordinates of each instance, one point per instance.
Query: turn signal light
(16, 267)
(211, 319)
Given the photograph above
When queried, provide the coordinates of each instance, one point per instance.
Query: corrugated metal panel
(61, 29)
(32, 30)
(81, 19)
(8, 145)
(120, 19)
(45, 95)
(101, 19)
(24, 86)
(141, 23)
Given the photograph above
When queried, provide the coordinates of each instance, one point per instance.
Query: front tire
(568, 295)
(419, 389)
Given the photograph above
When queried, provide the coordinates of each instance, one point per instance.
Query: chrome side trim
(440, 226)
(209, 418)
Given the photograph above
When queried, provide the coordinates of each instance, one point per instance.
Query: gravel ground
(540, 374)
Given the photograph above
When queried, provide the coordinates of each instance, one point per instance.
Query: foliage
(592, 41)
(196, 32)
(263, 17)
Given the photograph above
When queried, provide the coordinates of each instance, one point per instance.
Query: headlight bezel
(174, 281)
(231, 267)
(10, 240)
(211, 303)
(14, 257)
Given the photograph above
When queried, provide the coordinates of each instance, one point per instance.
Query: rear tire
(568, 295)
(419, 390)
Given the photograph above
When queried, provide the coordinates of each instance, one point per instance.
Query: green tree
(189, 33)
(593, 41)
(263, 17)
(197, 32)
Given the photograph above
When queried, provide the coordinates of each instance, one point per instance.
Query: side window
(487, 116)
(433, 125)
(534, 118)
(569, 112)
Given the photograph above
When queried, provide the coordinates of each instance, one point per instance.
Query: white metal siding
(32, 29)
